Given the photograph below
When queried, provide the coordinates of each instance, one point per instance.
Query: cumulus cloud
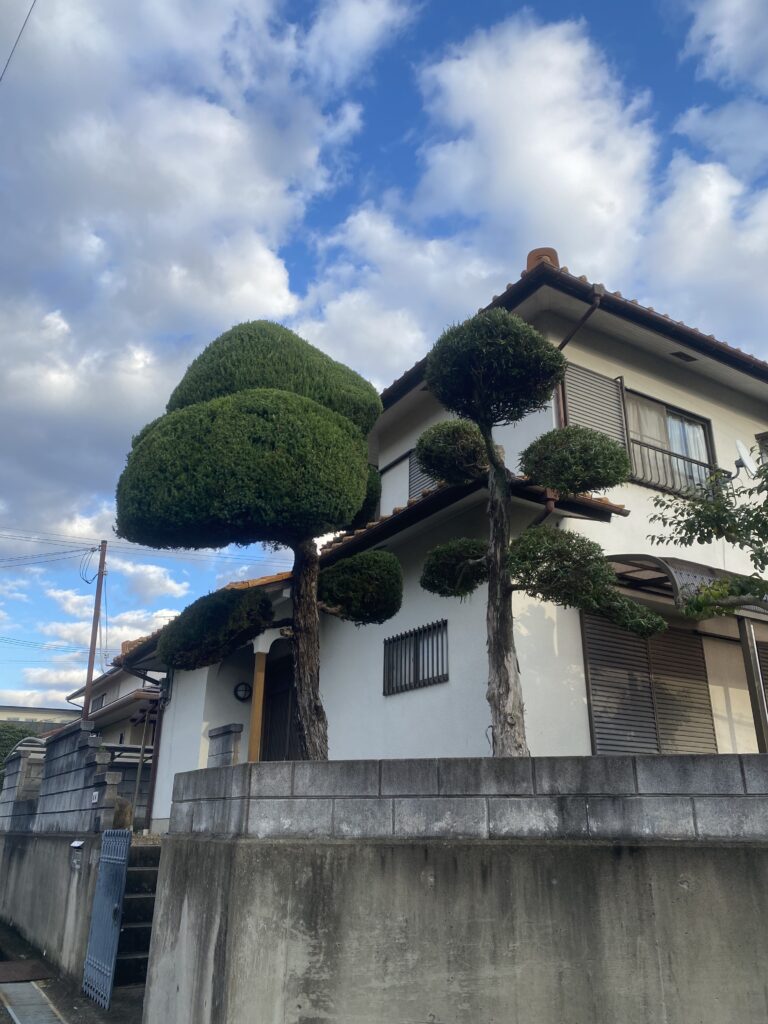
(149, 581)
(735, 133)
(128, 625)
(52, 697)
(536, 136)
(729, 38)
(71, 602)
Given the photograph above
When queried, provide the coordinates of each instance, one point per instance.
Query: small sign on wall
(95, 796)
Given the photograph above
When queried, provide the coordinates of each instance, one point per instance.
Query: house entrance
(281, 738)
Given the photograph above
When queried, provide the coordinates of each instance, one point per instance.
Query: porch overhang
(673, 578)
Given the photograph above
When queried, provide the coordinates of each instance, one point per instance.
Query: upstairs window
(669, 449)
(416, 658)
(98, 702)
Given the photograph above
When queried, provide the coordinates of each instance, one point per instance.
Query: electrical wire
(41, 537)
(22, 563)
(18, 37)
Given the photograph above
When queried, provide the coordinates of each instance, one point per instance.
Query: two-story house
(415, 686)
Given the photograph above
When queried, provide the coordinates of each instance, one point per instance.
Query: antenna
(745, 460)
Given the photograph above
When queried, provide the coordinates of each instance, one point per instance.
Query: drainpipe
(597, 297)
(549, 508)
(162, 703)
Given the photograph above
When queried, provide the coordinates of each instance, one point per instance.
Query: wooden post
(94, 631)
(257, 707)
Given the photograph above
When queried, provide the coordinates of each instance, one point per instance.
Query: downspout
(598, 291)
(165, 699)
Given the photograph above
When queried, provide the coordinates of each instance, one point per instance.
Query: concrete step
(138, 907)
(141, 879)
(134, 937)
(130, 969)
(144, 855)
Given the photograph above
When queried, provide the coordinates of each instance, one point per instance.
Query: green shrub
(571, 460)
(253, 466)
(493, 368)
(262, 354)
(456, 568)
(453, 451)
(371, 501)
(363, 588)
(213, 627)
(10, 735)
(570, 570)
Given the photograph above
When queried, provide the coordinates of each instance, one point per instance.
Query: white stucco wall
(181, 739)
(451, 719)
(221, 706)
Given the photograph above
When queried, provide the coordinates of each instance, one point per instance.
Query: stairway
(138, 908)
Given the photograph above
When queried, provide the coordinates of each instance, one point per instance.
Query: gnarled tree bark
(504, 693)
(313, 724)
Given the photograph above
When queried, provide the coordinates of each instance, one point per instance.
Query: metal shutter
(681, 692)
(592, 400)
(619, 680)
(418, 480)
(762, 657)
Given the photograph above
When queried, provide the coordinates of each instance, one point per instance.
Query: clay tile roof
(545, 273)
(262, 581)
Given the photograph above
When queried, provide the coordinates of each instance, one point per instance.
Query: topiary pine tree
(490, 370)
(264, 440)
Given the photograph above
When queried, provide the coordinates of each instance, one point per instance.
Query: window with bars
(416, 658)
(98, 702)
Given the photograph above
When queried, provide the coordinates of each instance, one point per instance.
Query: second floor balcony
(667, 471)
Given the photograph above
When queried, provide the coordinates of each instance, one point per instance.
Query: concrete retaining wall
(46, 893)
(551, 891)
(631, 799)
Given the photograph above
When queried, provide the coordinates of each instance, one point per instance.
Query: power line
(39, 537)
(18, 37)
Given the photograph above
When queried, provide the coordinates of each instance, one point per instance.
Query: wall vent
(683, 357)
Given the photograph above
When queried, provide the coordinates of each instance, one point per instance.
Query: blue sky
(365, 171)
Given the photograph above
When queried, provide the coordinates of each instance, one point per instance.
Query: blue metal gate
(105, 917)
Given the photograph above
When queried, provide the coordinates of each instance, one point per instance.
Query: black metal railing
(416, 658)
(668, 471)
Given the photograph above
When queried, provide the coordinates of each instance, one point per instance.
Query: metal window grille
(416, 658)
(418, 480)
(98, 702)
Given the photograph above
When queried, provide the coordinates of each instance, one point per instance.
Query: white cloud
(149, 581)
(128, 625)
(49, 698)
(730, 40)
(70, 677)
(72, 602)
(536, 137)
(736, 133)
(346, 34)
(15, 589)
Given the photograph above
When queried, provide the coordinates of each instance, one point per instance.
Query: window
(669, 449)
(98, 702)
(416, 658)
(418, 480)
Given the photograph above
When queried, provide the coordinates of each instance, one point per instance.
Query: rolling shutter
(621, 700)
(418, 480)
(681, 692)
(647, 697)
(593, 400)
(762, 657)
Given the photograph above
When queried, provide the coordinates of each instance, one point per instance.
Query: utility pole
(94, 630)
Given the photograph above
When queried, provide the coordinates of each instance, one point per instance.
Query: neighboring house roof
(262, 581)
(563, 280)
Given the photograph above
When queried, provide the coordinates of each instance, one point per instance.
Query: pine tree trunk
(313, 725)
(504, 693)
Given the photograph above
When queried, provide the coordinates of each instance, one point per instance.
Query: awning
(674, 578)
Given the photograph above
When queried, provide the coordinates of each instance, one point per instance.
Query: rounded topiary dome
(262, 354)
(575, 459)
(493, 368)
(364, 588)
(258, 465)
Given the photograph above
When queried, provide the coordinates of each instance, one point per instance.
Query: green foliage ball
(213, 627)
(254, 466)
(493, 368)
(570, 570)
(262, 354)
(571, 460)
(456, 568)
(365, 588)
(370, 502)
(454, 451)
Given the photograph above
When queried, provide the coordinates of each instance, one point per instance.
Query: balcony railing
(660, 468)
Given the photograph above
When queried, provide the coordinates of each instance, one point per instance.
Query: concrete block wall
(694, 799)
(21, 786)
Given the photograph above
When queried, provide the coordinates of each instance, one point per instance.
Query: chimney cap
(543, 255)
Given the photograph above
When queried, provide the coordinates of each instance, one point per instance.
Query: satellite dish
(745, 460)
